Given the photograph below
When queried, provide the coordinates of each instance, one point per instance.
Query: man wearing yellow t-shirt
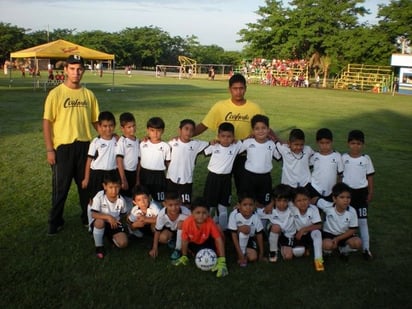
(237, 111)
(69, 111)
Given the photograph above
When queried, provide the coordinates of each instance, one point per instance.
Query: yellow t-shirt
(71, 113)
(238, 115)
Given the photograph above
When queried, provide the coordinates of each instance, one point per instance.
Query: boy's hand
(220, 267)
(183, 260)
(153, 253)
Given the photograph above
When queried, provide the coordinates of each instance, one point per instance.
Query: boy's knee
(275, 229)
(98, 223)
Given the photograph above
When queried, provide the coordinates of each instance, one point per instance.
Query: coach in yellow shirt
(70, 110)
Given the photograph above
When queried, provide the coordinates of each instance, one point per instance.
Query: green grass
(37, 271)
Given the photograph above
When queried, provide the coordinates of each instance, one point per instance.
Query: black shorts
(109, 232)
(96, 181)
(286, 241)
(314, 193)
(359, 201)
(131, 181)
(155, 182)
(341, 243)
(208, 244)
(184, 190)
(306, 241)
(218, 189)
(257, 185)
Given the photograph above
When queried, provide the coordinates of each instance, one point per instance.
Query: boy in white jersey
(144, 212)
(154, 157)
(107, 210)
(184, 151)
(127, 154)
(282, 229)
(260, 151)
(308, 225)
(340, 223)
(168, 229)
(101, 157)
(218, 187)
(327, 166)
(295, 155)
(358, 174)
(246, 228)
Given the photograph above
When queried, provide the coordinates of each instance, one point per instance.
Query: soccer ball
(298, 251)
(206, 259)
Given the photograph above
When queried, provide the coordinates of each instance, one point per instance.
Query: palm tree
(325, 61)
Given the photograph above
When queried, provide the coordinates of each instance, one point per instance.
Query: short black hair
(237, 78)
(282, 191)
(185, 122)
(106, 116)
(339, 188)
(296, 134)
(125, 118)
(300, 190)
(172, 195)
(140, 190)
(226, 127)
(244, 195)
(259, 118)
(199, 202)
(110, 177)
(356, 135)
(155, 123)
(324, 133)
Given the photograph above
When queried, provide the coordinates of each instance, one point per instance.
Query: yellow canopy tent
(61, 49)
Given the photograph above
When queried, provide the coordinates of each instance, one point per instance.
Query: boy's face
(297, 146)
(141, 200)
(342, 201)
(325, 146)
(129, 129)
(281, 203)
(173, 206)
(106, 129)
(301, 201)
(225, 138)
(237, 92)
(111, 190)
(154, 135)
(260, 131)
(246, 207)
(355, 147)
(200, 214)
(186, 132)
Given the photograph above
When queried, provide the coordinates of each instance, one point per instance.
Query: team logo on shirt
(236, 117)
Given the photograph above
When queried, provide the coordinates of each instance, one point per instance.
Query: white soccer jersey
(285, 220)
(236, 219)
(102, 204)
(295, 169)
(163, 220)
(309, 218)
(152, 211)
(182, 160)
(129, 150)
(355, 170)
(259, 155)
(337, 223)
(103, 153)
(325, 171)
(153, 156)
(222, 158)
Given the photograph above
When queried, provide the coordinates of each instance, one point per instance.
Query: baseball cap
(72, 59)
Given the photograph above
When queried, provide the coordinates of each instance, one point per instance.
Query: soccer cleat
(243, 263)
(136, 233)
(53, 229)
(182, 261)
(171, 243)
(273, 256)
(367, 255)
(175, 255)
(100, 252)
(319, 265)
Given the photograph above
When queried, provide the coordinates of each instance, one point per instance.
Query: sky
(211, 21)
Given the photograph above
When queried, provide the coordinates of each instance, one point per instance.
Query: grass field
(37, 271)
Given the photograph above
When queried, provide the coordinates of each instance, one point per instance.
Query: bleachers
(365, 77)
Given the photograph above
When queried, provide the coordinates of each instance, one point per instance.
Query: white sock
(364, 233)
(273, 241)
(345, 249)
(89, 214)
(317, 243)
(222, 216)
(243, 240)
(98, 237)
(178, 240)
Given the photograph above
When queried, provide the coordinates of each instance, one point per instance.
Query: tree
(12, 39)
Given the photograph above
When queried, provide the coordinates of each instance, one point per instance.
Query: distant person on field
(154, 158)
(358, 174)
(108, 208)
(184, 151)
(68, 103)
(218, 187)
(199, 231)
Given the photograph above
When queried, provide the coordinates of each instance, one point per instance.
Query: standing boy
(358, 174)
(184, 151)
(154, 157)
(68, 103)
(218, 187)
